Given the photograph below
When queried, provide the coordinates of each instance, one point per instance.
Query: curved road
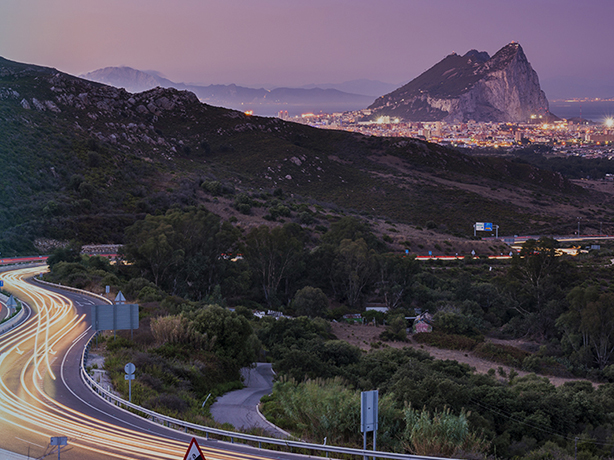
(239, 407)
(42, 395)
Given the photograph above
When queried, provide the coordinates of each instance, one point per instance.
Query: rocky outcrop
(504, 88)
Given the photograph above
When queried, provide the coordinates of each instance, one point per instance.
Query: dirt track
(364, 336)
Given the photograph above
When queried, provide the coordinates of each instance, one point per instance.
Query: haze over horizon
(273, 43)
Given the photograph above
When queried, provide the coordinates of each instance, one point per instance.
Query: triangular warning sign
(194, 452)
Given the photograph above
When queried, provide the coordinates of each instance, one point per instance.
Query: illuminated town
(565, 137)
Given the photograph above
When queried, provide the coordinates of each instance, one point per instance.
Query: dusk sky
(271, 43)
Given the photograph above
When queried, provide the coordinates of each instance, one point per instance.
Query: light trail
(25, 402)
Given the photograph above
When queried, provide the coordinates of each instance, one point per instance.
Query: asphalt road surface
(239, 407)
(43, 396)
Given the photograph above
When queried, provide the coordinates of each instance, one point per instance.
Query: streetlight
(579, 226)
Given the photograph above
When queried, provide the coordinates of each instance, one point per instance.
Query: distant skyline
(295, 42)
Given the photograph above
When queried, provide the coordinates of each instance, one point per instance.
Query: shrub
(450, 322)
(396, 330)
(503, 354)
(306, 218)
(446, 341)
(441, 434)
(150, 294)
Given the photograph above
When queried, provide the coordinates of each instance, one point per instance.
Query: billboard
(483, 226)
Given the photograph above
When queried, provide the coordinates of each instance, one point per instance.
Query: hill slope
(83, 160)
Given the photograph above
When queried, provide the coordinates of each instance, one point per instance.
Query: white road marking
(37, 445)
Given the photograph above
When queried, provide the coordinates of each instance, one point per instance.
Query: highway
(42, 395)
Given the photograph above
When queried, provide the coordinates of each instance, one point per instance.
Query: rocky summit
(502, 88)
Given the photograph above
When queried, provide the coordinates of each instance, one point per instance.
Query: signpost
(368, 415)
(59, 441)
(129, 368)
(485, 227)
(194, 452)
(11, 303)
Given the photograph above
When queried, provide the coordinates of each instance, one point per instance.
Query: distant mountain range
(363, 86)
(502, 88)
(261, 101)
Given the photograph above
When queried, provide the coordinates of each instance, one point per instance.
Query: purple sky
(296, 42)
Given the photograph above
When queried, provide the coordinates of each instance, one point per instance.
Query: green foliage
(504, 354)
(180, 251)
(446, 341)
(538, 276)
(451, 322)
(353, 269)
(441, 433)
(396, 329)
(319, 409)
(311, 302)
(228, 333)
(395, 277)
(274, 255)
(70, 253)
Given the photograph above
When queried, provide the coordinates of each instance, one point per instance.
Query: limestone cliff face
(504, 88)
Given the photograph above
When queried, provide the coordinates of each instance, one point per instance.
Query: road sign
(194, 452)
(368, 411)
(129, 368)
(115, 317)
(483, 226)
(120, 298)
(1, 283)
(59, 441)
(11, 303)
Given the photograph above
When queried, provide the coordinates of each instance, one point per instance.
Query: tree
(70, 253)
(395, 277)
(229, 334)
(354, 267)
(311, 302)
(536, 279)
(181, 251)
(574, 338)
(351, 228)
(273, 255)
(598, 325)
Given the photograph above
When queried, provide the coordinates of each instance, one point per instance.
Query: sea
(596, 111)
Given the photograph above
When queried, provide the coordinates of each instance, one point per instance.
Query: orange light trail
(31, 349)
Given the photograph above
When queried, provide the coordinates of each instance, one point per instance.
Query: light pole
(579, 226)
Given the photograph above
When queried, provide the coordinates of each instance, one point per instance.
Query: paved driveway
(239, 407)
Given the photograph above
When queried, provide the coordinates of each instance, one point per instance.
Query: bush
(150, 294)
(503, 354)
(396, 330)
(442, 434)
(446, 341)
(455, 323)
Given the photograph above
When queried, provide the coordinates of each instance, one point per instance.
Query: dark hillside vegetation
(83, 160)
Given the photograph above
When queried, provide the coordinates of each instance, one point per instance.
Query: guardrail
(15, 320)
(72, 289)
(183, 425)
(174, 423)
